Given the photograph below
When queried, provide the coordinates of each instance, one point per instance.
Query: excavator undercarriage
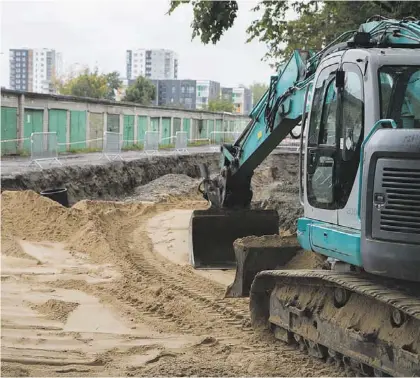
(371, 326)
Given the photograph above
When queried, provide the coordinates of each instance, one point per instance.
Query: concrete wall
(23, 102)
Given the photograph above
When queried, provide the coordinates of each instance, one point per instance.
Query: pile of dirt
(88, 226)
(306, 260)
(276, 187)
(55, 309)
(166, 187)
(11, 247)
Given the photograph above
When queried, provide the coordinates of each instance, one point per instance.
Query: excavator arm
(272, 119)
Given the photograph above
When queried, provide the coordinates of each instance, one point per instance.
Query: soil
(110, 181)
(56, 309)
(108, 291)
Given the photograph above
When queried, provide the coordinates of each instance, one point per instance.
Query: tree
(113, 82)
(141, 91)
(317, 23)
(220, 105)
(258, 90)
(88, 84)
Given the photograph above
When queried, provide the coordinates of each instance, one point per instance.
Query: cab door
(321, 155)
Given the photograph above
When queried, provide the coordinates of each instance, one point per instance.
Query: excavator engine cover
(213, 231)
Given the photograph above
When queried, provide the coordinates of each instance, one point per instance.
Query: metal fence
(151, 142)
(181, 141)
(112, 145)
(44, 147)
(289, 145)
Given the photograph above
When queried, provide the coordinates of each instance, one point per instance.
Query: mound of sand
(167, 188)
(55, 309)
(89, 226)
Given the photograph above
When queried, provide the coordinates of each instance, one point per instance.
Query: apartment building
(33, 70)
(241, 98)
(206, 90)
(176, 93)
(155, 64)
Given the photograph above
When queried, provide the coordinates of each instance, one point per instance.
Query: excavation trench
(108, 290)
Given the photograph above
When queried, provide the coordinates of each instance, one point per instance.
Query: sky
(98, 33)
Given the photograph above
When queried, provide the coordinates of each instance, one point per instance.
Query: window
(399, 88)
(329, 115)
(335, 137)
(324, 79)
(321, 141)
(352, 119)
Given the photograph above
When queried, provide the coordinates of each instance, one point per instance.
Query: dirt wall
(275, 182)
(108, 181)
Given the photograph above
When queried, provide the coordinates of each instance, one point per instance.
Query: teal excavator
(358, 104)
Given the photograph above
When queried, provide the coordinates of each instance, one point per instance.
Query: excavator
(357, 102)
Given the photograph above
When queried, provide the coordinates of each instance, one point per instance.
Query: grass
(166, 146)
(84, 150)
(198, 143)
(133, 147)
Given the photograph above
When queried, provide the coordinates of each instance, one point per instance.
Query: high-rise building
(33, 70)
(241, 98)
(157, 64)
(206, 90)
(176, 93)
(20, 69)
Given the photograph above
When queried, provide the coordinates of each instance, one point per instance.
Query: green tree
(114, 82)
(88, 84)
(220, 105)
(141, 91)
(258, 90)
(317, 22)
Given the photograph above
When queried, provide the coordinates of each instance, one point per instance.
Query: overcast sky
(99, 32)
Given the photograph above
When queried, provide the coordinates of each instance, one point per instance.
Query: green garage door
(57, 122)
(128, 132)
(166, 131)
(77, 129)
(177, 125)
(210, 128)
(187, 126)
(202, 129)
(33, 123)
(154, 124)
(8, 130)
(217, 137)
(113, 123)
(141, 127)
(96, 129)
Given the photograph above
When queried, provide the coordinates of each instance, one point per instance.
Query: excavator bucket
(213, 231)
(255, 254)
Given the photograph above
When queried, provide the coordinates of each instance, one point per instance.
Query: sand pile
(306, 260)
(55, 309)
(89, 226)
(167, 188)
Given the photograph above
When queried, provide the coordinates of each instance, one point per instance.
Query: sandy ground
(169, 234)
(105, 289)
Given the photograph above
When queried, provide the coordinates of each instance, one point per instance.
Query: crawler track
(373, 328)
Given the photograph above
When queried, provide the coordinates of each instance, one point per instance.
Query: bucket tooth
(213, 231)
